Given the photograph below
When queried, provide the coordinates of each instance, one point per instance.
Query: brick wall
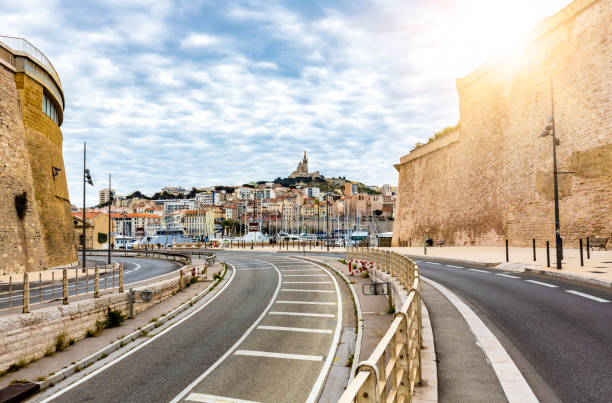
(21, 241)
(494, 182)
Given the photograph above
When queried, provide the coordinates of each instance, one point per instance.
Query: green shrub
(114, 318)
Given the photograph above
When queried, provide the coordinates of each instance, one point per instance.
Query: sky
(201, 93)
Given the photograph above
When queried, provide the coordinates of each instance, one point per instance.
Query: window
(49, 108)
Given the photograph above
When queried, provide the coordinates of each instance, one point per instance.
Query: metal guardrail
(185, 258)
(42, 287)
(23, 46)
(393, 369)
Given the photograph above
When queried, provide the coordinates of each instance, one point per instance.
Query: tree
(137, 195)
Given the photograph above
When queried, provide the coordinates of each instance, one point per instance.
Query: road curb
(348, 282)
(116, 345)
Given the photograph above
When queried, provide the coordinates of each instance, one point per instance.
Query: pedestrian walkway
(598, 266)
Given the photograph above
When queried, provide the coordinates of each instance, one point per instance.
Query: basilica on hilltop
(302, 170)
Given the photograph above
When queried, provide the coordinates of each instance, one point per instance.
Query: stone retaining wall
(27, 337)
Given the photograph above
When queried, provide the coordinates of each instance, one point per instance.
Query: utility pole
(110, 192)
(327, 218)
(86, 179)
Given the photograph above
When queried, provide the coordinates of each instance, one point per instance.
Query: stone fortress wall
(30, 149)
(491, 178)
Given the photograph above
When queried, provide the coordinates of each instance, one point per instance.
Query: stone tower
(36, 226)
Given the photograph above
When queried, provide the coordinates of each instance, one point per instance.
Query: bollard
(76, 281)
(547, 254)
(534, 250)
(588, 248)
(581, 258)
(97, 282)
(113, 276)
(131, 303)
(120, 277)
(26, 293)
(507, 252)
(86, 281)
(181, 283)
(39, 287)
(65, 286)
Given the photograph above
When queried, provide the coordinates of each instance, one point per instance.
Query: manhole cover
(596, 271)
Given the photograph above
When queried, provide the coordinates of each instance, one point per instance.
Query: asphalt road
(562, 330)
(134, 270)
(260, 340)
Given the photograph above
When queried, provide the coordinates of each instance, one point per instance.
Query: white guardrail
(393, 369)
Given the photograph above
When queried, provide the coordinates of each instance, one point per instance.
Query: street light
(549, 130)
(86, 179)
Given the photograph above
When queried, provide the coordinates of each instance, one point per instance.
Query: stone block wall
(27, 337)
(21, 240)
(493, 181)
(44, 141)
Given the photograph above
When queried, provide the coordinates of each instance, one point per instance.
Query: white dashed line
(295, 329)
(594, 298)
(279, 355)
(297, 290)
(307, 282)
(291, 270)
(201, 397)
(506, 275)
(306, 302)
(456, 267)
(541, 283)
(314, 315)
(432, 263)
(480, 271)
(305, 275)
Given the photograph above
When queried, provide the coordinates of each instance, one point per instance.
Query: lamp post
(327, 218)
(549, 130)
(86, 179)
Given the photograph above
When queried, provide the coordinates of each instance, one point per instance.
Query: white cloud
(195, 40)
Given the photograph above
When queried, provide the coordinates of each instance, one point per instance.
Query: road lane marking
(480, 271)
(541, 283)
(314, 315)
(298, 290)
(210, 369)
(432, 263)
(304, 275)
(267, 354)
(201, 397)
(506, 275)
(456, 267)
(307, 282)
(594, 298)
(515, 387)
(143, 344)
(295, 329)
(306, 302)
(292, 270)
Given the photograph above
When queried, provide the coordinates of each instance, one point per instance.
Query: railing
(184, 258)
(23, 46)
(393, 369)
(34, 288)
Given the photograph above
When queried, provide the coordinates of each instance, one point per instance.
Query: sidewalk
(598, 267)
(376, 322)
(39, 370)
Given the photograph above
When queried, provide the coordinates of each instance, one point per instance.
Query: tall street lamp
(86, 179)
(110, 202)
(549, 130)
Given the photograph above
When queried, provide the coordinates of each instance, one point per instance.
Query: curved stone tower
(36, 226)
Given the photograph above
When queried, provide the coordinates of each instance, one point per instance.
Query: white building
(104, 195)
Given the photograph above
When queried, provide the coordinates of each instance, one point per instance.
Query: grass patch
(365, 274)
(18, 381)
(343, 261)
(114, 318)
(60, 342)
(153, 320)
(71, 341)
(194, 279)
(103, 356)
(41, 378)
(349, 361)
(391, 309)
